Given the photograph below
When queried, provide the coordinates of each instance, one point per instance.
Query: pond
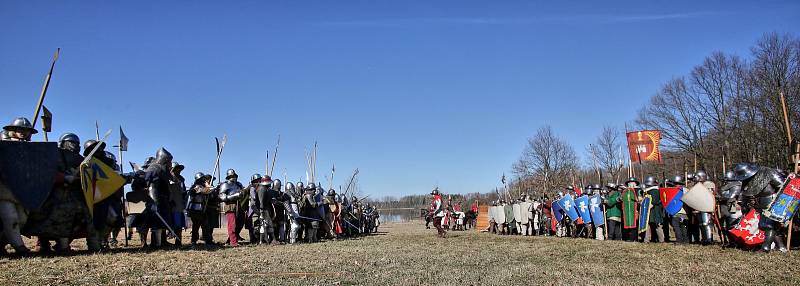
(400, 215)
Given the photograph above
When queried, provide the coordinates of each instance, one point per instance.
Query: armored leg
(704, 220)
(13, 217)
(294, 231)
(155, 238)
(312, 232)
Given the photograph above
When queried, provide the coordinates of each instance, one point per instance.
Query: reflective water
(400, 215)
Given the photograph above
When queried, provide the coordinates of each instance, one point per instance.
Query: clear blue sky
(414, 93)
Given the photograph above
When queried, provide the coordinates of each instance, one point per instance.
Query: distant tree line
(726, 110)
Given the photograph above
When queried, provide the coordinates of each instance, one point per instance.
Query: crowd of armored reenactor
(751, 211)
(271, 213)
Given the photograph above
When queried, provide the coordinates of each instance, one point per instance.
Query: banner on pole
(643, 145)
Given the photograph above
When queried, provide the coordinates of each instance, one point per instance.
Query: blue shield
(644, 213)
(582, 206)
(568, 205)
(558, 213)
(596, 209)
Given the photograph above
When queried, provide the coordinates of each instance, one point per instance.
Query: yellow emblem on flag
(98, 181)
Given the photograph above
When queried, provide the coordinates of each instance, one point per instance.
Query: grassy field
(408, 254)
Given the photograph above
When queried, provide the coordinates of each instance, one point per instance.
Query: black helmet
(90, 144)
(74, 140)
(177, 167)
(21, 124)
(331, 193)
(255, 177)
(435, 191)
(163, 156)
(312, 186)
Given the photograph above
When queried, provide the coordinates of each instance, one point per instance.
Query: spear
(44, 88)
(275, 155)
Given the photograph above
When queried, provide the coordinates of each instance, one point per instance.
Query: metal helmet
(21, 124)
(311, 186)
(729, 175)
(435, 191)
(611, 186)
(177, 167)
(332, 193)
(299, 186)
(276, 184)
(744, 171)
(148, 161)
(289, 186)
(163, 157)
(4, 135)
(632, 180)
(678, 180)
(110, 156)
(230, 174)
(255, 177)
(700, 176)
(650, 181)
(90, 144)
(596, 187)
(69, 141)
(199, 176)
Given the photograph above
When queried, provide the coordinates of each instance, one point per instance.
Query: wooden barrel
(483, 218)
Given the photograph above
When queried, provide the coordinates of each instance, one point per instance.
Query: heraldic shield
(785, 205)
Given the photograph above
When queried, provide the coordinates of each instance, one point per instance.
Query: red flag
(643, 145)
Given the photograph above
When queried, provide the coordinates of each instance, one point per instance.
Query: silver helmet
(700, 176)
(744, 171)
(255, 177)
(230, 174)
(177, 167)
(650, 181)
(729, 175)
(678, 180)
(276, 185)
(20, 124)
(289, 187)
(90, 144)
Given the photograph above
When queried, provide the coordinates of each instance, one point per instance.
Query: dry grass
(408, 254)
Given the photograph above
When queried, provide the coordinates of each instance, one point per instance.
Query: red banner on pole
(643, 145)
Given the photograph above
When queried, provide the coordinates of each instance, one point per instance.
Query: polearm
(275, 156)
(351, 181)
(44, 88)
(220, 147)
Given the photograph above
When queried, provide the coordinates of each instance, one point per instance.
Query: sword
(177, 238)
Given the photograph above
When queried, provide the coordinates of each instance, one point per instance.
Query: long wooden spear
(275, 156)
(791, 157)
(44, 88)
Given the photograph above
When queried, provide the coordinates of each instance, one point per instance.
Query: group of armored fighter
(273, 213)
(743, 210)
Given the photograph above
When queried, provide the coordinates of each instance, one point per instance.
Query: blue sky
(413, 93)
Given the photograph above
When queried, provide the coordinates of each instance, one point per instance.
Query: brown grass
(408, 254)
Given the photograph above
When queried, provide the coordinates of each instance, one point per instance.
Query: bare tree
(547, 160)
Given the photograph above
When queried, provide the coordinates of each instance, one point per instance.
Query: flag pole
(791, 157)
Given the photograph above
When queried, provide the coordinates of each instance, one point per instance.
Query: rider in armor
(231, 193)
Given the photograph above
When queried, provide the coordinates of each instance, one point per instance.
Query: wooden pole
(44, 88)
(788, 127)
